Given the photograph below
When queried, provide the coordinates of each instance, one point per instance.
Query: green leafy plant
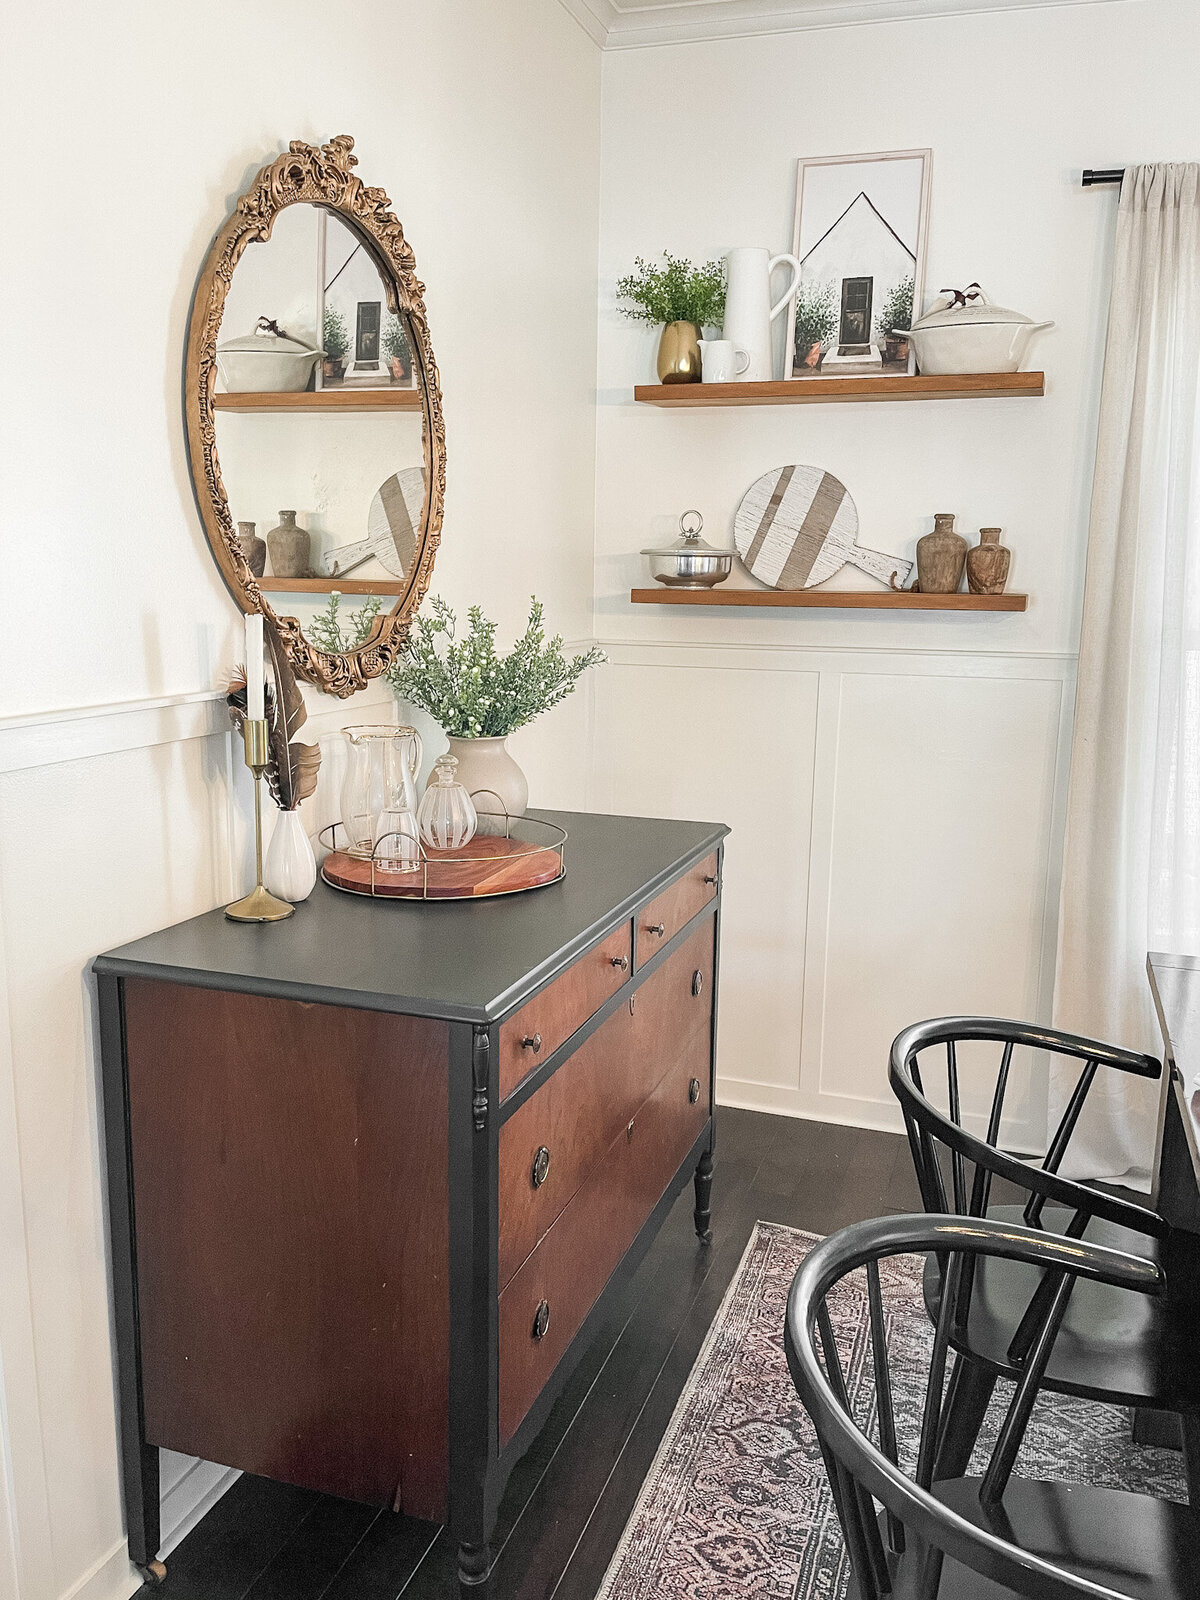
(816, 316)
(470, 690)
(395, 340)
(334, 336)
(335, 634)
(677, 292)
(897, 309)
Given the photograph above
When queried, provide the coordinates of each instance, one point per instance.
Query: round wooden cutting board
(486, 865)
(797, 526)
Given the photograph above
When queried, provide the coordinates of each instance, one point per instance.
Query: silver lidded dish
(690, 562)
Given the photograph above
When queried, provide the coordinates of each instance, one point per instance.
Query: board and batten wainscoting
(114, 821)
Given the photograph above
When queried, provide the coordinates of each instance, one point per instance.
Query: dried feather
(292, 772)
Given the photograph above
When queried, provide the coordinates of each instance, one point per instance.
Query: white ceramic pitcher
(748, 309)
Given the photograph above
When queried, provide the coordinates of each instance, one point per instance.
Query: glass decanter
(365, 791)
(447, 818)
(396, 843)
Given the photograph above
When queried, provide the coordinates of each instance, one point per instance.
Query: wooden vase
(679, 353)
(290, 548)
(988, 563)
(941, 556)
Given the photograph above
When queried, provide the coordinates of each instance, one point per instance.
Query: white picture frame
(857, 233)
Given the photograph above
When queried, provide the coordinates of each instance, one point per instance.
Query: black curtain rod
(1094, 176)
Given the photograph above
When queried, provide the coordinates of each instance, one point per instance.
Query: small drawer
(663, 917)
(550, 1144)
(553, 1015)
(546, 1302)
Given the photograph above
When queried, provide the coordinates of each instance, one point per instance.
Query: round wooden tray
(487, 865)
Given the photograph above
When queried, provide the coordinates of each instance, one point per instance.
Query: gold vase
(679, 353)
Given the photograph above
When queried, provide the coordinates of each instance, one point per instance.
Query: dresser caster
(474, 1565)
(154, 1572)
(703, 1212)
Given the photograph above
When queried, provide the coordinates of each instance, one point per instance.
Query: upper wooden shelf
(328, 585)
(323, 400)
(852, 599)
(806, 391)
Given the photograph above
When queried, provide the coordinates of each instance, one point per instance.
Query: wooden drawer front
(575, 1116)
(562, 1006)
(570, 1267)
(666, 913)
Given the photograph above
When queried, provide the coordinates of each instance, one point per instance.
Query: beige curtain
(1132, 864)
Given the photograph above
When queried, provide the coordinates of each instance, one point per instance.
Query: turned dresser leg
(474, 1564)
(703, 1211)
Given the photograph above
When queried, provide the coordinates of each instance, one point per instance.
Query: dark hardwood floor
(570, 1496)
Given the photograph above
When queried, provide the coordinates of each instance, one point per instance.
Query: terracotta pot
(493, 779)
(988, 563)
(333, 368)
(400, 369)
(290, 548)
(812, 356)
(679, 353)
(940, 557)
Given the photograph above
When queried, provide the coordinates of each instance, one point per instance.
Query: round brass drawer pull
(541, 1166)
(622, 962)
(710, 877)
(541, 1319)
(697, 981)
(693, 1091)
(532, 1041)
(656, 927)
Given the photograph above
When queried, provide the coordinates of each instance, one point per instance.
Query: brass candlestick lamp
(259, 905)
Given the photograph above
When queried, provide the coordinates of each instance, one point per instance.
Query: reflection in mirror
(318, 414)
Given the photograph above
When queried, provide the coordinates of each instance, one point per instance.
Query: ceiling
(625, 24)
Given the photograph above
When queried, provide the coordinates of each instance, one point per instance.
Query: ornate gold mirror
(314, 414)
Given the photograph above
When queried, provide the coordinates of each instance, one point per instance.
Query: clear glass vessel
(396, 842)
(365, 788)
(447, 817)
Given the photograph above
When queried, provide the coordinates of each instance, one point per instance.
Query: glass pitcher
(396, 845)
(365, 788)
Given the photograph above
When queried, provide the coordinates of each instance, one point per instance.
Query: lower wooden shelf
(851, 599)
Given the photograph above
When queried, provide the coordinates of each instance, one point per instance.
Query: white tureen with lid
(265, 361)
(964, 332)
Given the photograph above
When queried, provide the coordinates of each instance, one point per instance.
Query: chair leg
(1190, 1424)
(967, 1400)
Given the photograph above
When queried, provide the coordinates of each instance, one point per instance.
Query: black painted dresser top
(469, 961)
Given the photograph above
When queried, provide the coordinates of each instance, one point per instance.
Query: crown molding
(625, 26)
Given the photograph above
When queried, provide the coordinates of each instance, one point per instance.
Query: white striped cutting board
(797, 526)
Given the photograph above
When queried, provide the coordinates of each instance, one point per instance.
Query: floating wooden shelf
(323, 400)
(854, 599)
(806, 391)
(328, 585)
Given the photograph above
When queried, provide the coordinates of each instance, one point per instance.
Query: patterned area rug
(737, 1502)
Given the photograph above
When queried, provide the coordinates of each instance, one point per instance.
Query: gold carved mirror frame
(320, 176)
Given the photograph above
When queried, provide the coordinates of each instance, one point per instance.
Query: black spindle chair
(970, 1538)
(1114, 1346)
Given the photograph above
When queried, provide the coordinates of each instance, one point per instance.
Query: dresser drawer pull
(697, 981)
(710, 877)
(532, 1041)
(620, 961)
(656, 927)
(693, 1091)
(541, 1319)
(541, 1166)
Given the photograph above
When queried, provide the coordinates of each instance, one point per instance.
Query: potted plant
(336, 341)
(477, 696)
(896, 313)
(685, 300)
(816, 322)
(397, 349)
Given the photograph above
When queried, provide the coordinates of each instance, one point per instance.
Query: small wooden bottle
(940, 557)
(988, 563)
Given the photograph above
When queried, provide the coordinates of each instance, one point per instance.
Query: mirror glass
(318, 417)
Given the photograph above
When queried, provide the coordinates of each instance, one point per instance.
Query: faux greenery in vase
(816, 321)
(336, 342)
(477, 695)
(685, 300)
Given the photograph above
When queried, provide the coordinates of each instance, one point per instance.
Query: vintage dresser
(374, 1171)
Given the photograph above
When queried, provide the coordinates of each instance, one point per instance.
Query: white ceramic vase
(492, 778)
(290, 867)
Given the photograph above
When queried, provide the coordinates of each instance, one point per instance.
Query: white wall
(895, 782)
(137, 127)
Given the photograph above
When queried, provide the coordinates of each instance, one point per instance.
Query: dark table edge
(111, 965)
